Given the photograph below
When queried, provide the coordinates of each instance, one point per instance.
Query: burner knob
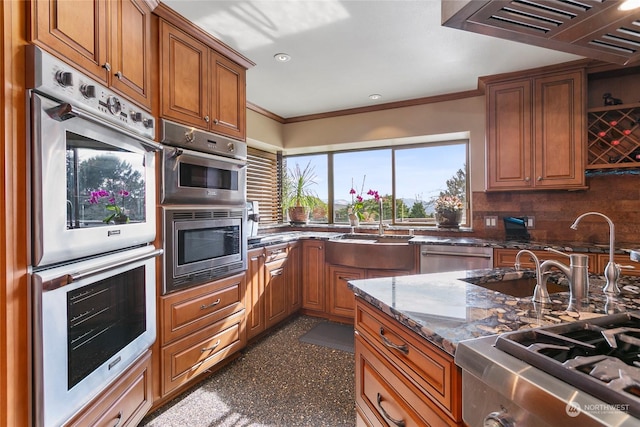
(498, 419)
(231, 147)
(113, 105)
(88, 91)
(64, 78)
(147, 123)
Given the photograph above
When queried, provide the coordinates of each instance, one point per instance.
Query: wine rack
(614, 137)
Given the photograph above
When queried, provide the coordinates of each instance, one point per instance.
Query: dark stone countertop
(288, 236)
(444, 309)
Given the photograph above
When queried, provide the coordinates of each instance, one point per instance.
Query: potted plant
(448, 211)
(298, 195)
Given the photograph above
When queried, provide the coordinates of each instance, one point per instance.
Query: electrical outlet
(490, 221)
(531, 222)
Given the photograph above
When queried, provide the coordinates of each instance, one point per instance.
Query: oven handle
(73, 277)
(66, 111)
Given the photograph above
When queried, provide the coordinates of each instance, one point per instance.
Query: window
(263, 184)
(409, 179)
(425, 173)
(318, 169)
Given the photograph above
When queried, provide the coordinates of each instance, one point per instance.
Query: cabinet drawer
(507, 258)
(187, 358)
(275, 252)
(190, 310)
(125, 403)
(385, 398)
(430, 369)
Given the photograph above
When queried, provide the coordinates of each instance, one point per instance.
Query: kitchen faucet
(540, 293)
(577, 272)
(611, 270)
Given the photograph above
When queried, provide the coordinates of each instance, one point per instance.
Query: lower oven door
(92, 320)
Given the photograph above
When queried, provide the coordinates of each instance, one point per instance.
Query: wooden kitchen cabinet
(507, 258)
(341, 300)
(273, 286)
(276, 292)
(199, 86)
(536, 132)
(402, 377)
(254, 299)
(110, 40)
(294, 276)
(125, 403)
(313, 291)
(200, 327)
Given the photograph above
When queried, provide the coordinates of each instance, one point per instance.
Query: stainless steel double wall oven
(93, 209)
(203, 206)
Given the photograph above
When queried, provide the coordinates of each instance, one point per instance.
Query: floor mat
(332, 335)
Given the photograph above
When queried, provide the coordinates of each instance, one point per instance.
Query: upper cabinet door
(75, 30)
(131, 50)
(184, 79)
(509, 135)
(228, 106)
(559, 130)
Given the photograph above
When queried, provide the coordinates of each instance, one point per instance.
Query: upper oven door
(192, 177)
(93, 185)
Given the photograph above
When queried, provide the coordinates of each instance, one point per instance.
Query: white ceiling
(345, 50)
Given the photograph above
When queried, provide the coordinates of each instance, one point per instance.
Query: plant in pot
(298, 195)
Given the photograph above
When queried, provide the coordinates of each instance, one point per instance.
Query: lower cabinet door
(385, 399)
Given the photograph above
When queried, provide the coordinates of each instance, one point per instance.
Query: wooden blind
(263, 184)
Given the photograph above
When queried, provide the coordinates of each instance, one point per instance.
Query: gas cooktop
(598, 356)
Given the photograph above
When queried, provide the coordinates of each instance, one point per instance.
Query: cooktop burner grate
(598, 356)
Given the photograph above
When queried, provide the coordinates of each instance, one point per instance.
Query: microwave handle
(65, 111)
(66, 279)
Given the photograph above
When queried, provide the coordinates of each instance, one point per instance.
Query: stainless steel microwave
(202, 244)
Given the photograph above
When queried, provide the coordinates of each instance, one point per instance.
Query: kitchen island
(408, 329)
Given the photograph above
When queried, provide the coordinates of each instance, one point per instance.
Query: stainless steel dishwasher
(439, 258)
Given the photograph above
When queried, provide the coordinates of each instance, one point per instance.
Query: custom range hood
(596, 29)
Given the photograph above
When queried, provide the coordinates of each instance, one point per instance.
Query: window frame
(393, 149)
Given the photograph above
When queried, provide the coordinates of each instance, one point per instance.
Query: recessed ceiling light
(629, 5)
(375, 96)
(282, 57)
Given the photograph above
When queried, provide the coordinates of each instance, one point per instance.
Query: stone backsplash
(615, 195)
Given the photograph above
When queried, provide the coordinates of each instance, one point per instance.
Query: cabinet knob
(206, 119)
(539, 178)
(215, 121)
(526, 179)
(106, 66)
(119, 75)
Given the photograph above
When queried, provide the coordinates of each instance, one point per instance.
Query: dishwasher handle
(456, 254)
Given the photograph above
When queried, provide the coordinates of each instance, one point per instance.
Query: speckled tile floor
(278, 381)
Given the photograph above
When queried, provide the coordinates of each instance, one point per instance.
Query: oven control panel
(51, 77)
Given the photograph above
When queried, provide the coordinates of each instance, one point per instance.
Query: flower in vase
(117, 213)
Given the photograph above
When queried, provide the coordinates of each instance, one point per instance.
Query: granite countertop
(287, 236)
(445, 309)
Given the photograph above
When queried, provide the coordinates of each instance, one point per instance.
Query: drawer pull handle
(402, 348)
(118, 419)
(213, 304)
(211, 348)
(399, 423)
